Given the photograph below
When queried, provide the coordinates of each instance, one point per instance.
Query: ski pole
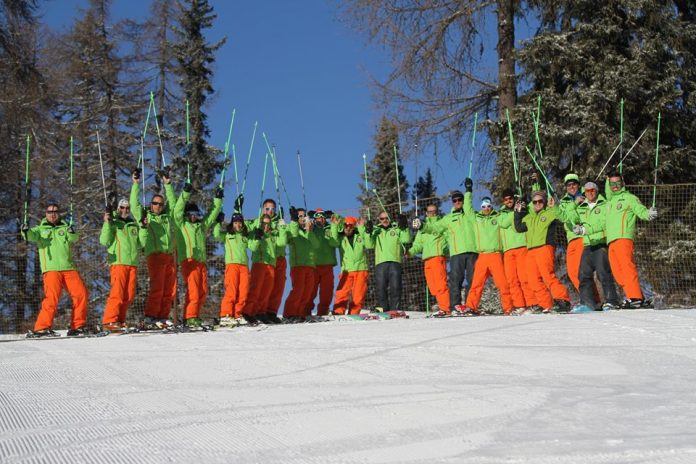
(251, 147)
(263, 181)
(280, 179)
(367, 190)
(27, 190)
(299, 165)
(381, 204)
(275, 176)
(276, 171)
(234, 163)
(398, 186)
(72, 183)
(415, 190)
(657, 157)
(513, 150)
(621, 136)
(142, 167)
(101, 167)
(147, 122)
(188, 145)
(549, 187)
(536, 128)
(634, 144)
(159, 135)
(473, 144)
(227, 149)
(607, 163)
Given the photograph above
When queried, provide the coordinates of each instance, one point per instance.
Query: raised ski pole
(398, 185)
(415, 190)
(549, 187)
(621, 136)
(101, 167)
(72, 180)
(275, 175)
(142, 167)
(263, 181)
(227, 149)
(473, 144)
(299, 166)
(381, 204)
(513, 151)
(188, 144)
(276, 171)
(27, 190)
(234, 163)
(147, 122)
(367, 190)
(536, 128)
(251, 147)
(657, 157)
(159, 135)
(634, 145)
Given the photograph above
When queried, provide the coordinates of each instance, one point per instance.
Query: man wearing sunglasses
(389, 239)
(432, 247)
(325, 261)
(54, 238)
(159, 250)
(123, 238)
(624, 208)
(459, 227)
(538, 223)
(192, 230)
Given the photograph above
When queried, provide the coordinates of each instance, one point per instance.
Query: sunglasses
(486, 207)
(124, 207)
(457, 200)
(52, 211)
(348, 225)
(266, 224)
(616, 184)
(538, 202)
(269, 208)
(384, 219)
(156, 203)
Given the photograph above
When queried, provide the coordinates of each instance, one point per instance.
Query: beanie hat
(191, 208)
(123, 203)
(539, 193)
(237, 218)
(456, 194)
(571, 177)
(485, 201)
(350, 220)
(508, 193)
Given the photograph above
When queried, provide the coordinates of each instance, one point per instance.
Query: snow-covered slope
(597, 388)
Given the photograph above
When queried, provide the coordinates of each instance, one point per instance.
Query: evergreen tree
(424, 189)
(381, 171)
(195, 58)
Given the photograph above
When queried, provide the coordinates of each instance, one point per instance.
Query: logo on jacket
(619, 205)
(392, 233)
(597, 210)
(61, 232)
(494, 222)
(542, 218)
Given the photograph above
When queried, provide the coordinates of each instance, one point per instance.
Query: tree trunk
(507, 85)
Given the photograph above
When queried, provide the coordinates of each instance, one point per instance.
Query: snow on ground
(612, 387)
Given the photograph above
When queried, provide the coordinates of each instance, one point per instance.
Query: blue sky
(305, 77)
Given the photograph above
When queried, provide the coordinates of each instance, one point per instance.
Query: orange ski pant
(236, 290)
(262, 282)
(353, 284)
(515, 262)
(54, 282)
(489, 264)
(540, 270)
(162, 270)
(435, 269)
(573, 256)
(302, 278)
(195, 275)
(624, 268)
(280, 276)
(323, 283)
(122, 294)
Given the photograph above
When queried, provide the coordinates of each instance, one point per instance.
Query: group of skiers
(515, 244)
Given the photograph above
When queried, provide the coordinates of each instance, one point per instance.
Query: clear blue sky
(305, 76)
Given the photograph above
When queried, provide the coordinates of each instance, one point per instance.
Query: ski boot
(273, 318)
(228, 321)
(44, 333)
(442, 314)
(79, 332)
(561, 306)
(632, 303)
(581, 309)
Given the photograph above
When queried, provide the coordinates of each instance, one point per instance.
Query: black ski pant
(595, 258)
(461, 269)
(388, 277)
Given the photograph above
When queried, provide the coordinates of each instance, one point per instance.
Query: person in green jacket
(54, 238)
(159, 250)
(624, 208)
(191, 249)
(538, 224)
(303, 244)
(389, 239)
(124, 239)
(433, 249)
(595, 258)
(568, 203)
(236, 240)
(324, 260)
(459, 228)
(352, 281)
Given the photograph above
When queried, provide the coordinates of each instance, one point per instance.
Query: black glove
(188, 187)
(468, 184)
(294, 216)
(258, 234)
(220, 193)
(328, 213)
(136, 173)
(403, 222)
(369, 226)
(220, 218)
(239, 202)
(24, 228)
(282, 213)
(71, 229)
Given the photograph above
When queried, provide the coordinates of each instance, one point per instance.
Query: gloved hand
(579, 229)
(219, 193)
(188, 188)
(258, 234)
(71, 229)
(107, 216)
(403, 221)
(468, 184)
(281, 221)
(239, 203)
(135, 175)
(416, 224)
(220, 218)
(282, 213)
(328, 213)
(369, 226)
(519, 206)
(68, 218)
(652, 214)
(294, 216)
(24, 228)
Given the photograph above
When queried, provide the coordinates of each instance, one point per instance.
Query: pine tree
(424, 189)
(195, 58)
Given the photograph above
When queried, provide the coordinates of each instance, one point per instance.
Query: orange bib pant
(435, 269)
(624, 268)
(353, 284)
(195, 275)
(280, 276)
(573, 257)
(236, 290)
(489, 264)
(123, 279)
(323, 283)
(262, 282)
(54, 282)
(161, 268)
(302, 278)
(515, 263)
(540, 269)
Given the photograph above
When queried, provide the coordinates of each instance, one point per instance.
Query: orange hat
(350, 220)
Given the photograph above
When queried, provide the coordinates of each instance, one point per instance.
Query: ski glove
(403, 222)
(239, 202)
(294, 216)
(71, 229)
(578, 229)
(24, 228)
(188, 187)
(652, 214)
(136, 173)
(369, 226)
(258, 234)
(468, 184)
(219, 193)
(416, 224)
(220, 218)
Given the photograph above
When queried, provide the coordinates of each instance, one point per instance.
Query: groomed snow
(612, 387)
